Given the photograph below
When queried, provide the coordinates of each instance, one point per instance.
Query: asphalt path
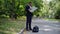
(45, 26)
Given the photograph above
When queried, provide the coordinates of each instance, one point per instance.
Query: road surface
(45, 26)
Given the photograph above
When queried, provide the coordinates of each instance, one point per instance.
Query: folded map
(33, 9)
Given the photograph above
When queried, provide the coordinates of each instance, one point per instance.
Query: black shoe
(27, 30)
(30, 29)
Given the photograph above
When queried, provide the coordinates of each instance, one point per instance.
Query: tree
(54, 5)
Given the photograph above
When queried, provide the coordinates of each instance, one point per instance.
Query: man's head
(30, 3)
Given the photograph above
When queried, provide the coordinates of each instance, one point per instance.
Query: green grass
(8, 26)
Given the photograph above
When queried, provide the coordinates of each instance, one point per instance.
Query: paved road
(45, 26)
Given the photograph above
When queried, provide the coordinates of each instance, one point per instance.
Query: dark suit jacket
(28, 13)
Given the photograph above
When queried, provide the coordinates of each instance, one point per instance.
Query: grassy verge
(52, 19)
(8, 26)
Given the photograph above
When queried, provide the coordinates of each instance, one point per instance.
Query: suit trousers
(28, 21)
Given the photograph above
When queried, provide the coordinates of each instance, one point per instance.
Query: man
(28, 16)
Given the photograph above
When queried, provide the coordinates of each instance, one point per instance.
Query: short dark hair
(30, 2)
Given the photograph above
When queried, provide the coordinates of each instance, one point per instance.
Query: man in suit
(28, 16)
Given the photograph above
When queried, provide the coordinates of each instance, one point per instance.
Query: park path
(45, 26)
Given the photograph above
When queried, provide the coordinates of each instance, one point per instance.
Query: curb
(21, 32)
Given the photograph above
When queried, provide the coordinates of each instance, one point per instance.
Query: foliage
(16, 8)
